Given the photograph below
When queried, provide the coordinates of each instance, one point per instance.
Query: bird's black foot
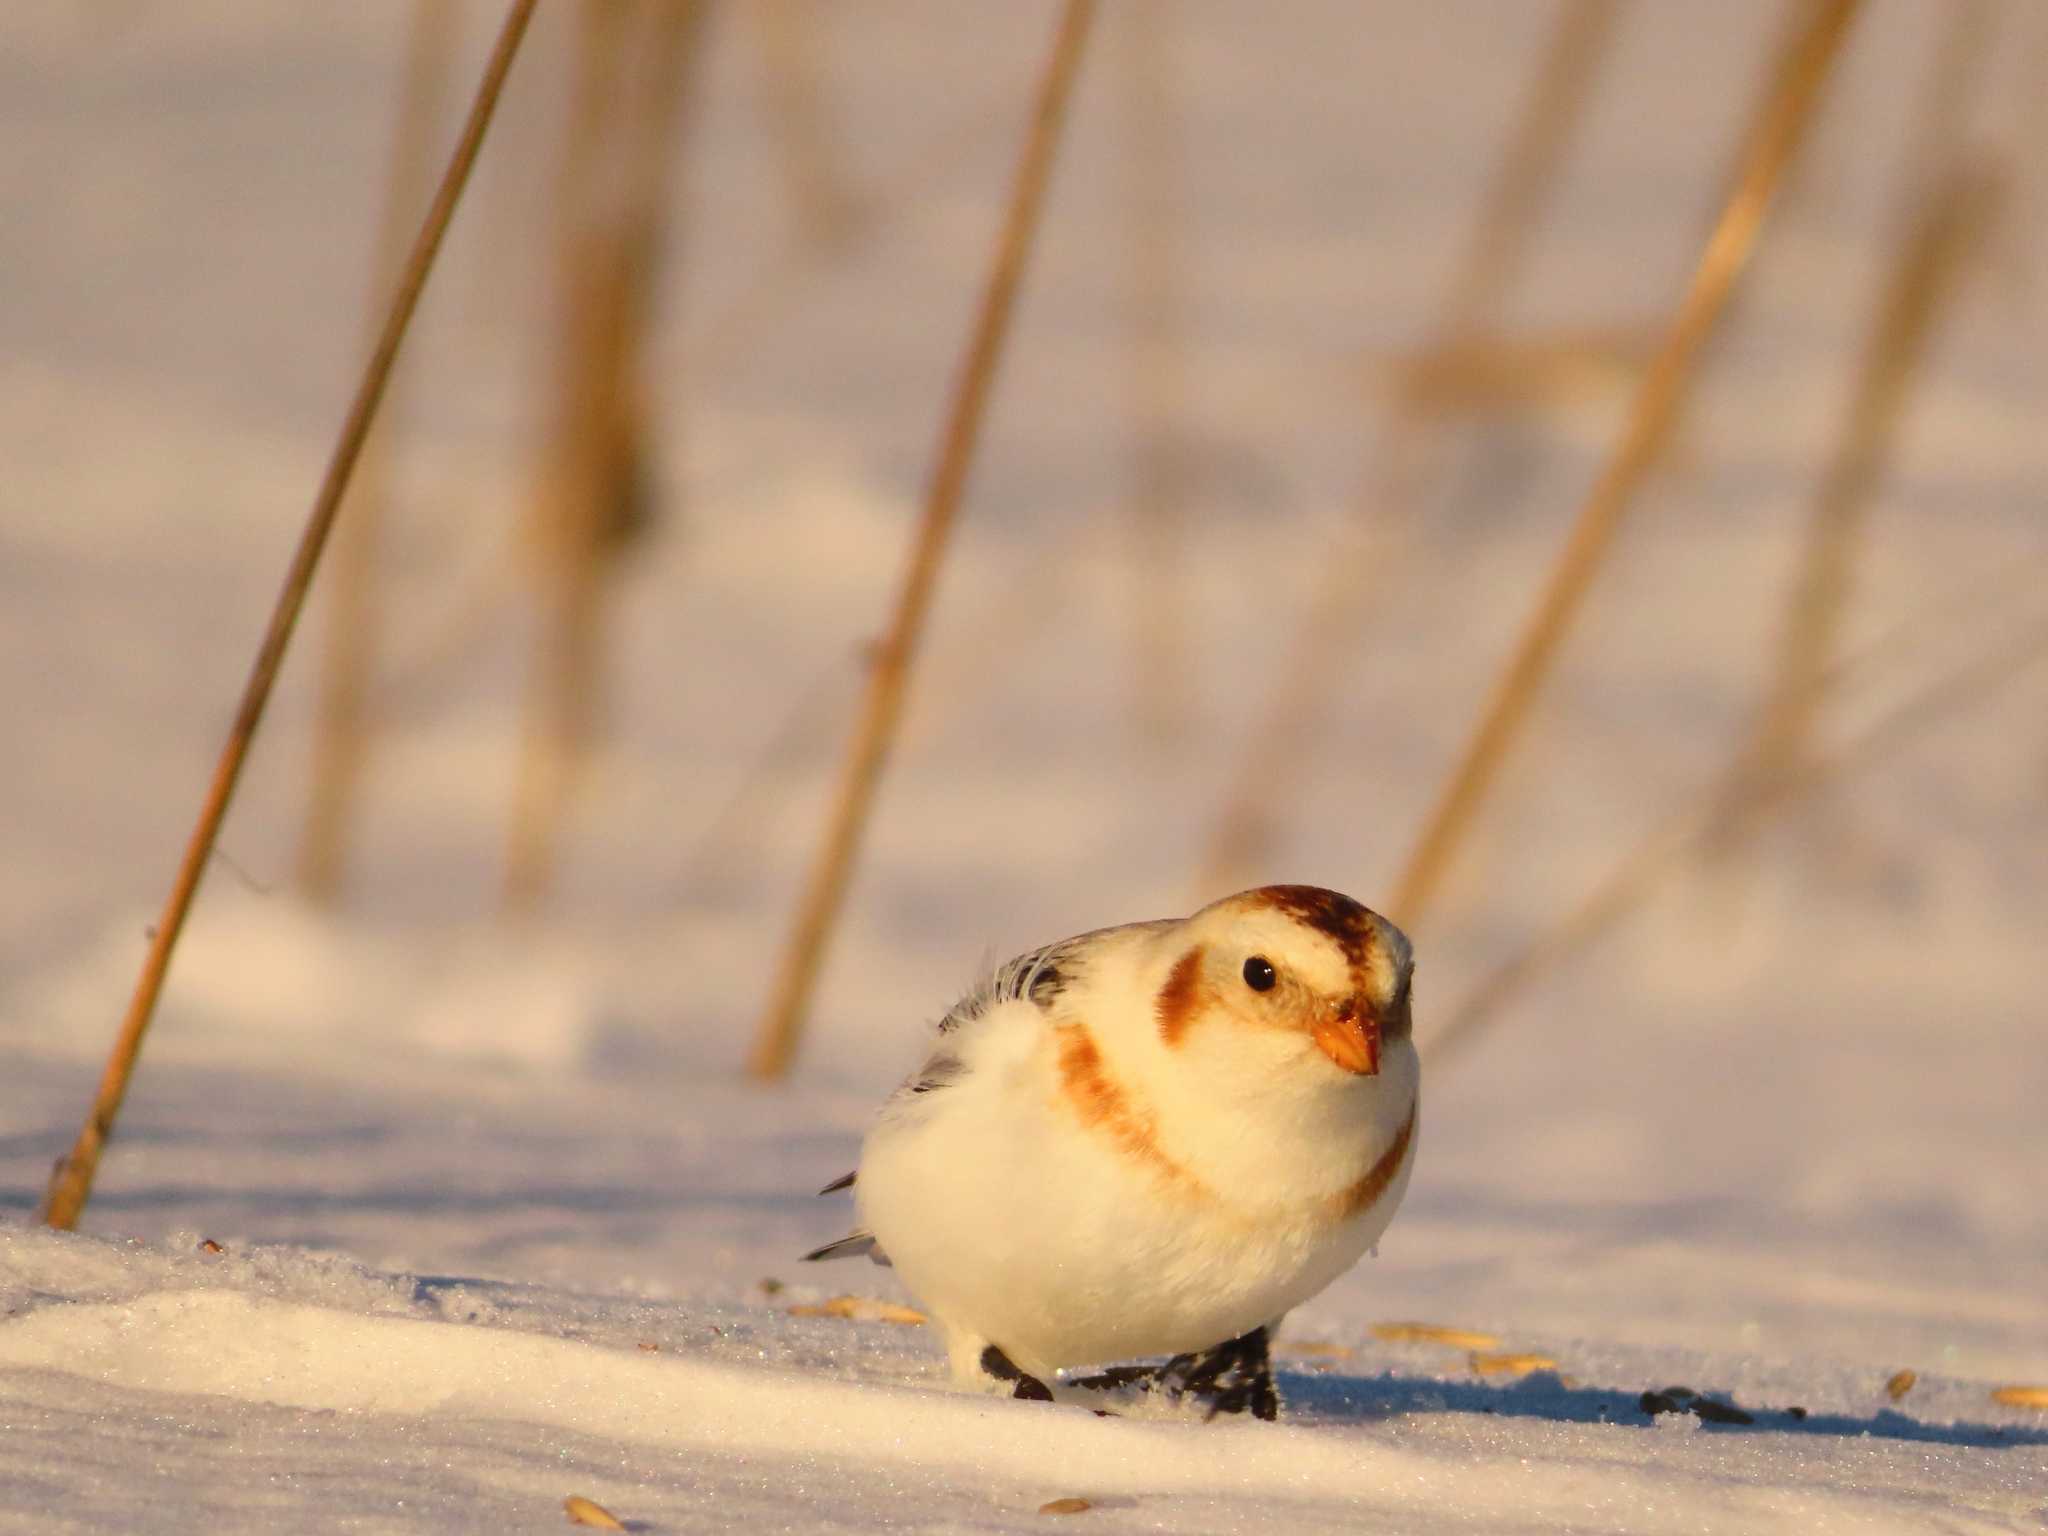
(1117, 1377)
(1234, 1377)
(1000, 1366)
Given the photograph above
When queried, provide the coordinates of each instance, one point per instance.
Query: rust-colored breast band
(1102, 1105)
(1367, 1191)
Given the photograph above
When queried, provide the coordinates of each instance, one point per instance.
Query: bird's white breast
(1041, 1202)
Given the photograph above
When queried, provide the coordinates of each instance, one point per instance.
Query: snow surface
(1775, 1139)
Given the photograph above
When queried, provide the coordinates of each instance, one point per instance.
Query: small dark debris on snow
(770, 1286)
(1796, 1411)
(1900, 1384)
(1711, 1412)
(1685, 1400)
(208, 1245)
(649, 1345)
(1064, 1507)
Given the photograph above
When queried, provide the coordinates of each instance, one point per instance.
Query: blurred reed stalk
(1951, 210)
(1947, 234)
(825, 210)
(595, 487)
(712, 348)
(1551, 369)
(1516, 196)
(1774, 136)
(340, 724)
(1157, 597)
(1679, 837)
(72, 1178)
(824, 892)
(2026, 252)
(769, 295)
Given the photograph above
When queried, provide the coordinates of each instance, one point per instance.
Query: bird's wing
(1035, 975)
(1040, 975)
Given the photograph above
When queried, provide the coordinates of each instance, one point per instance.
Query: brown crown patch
(1181, 998)
(1366, 1191)
(1103, 1105)
(1329, 912)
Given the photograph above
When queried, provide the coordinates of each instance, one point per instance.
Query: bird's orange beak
(1350, 1037)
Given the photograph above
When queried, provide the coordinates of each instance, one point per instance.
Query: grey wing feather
(850, 1246)
(1035, 974)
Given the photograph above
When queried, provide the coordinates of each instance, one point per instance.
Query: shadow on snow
(1316, 1398)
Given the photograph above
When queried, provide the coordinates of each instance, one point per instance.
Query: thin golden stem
(615, 191)
(1512, 207)
(1779, 126)
(1158, 622)
(71, 1180)
(796, 120)
(1525, 179)
(1949, 228)
(782, 1023)
(1949, 210)
(341, 722)
(1679, 836)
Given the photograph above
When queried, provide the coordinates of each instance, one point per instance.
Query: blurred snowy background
(1779, 1133)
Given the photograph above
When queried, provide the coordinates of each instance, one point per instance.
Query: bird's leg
(999, 1365)
(1234, 1377)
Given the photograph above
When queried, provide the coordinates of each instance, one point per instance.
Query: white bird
(1151, 1140)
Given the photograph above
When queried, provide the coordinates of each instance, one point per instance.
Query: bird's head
(1287, 978)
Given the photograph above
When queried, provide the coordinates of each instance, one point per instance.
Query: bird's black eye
(1259, 974)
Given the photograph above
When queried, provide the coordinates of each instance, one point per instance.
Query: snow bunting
(1151, 1140)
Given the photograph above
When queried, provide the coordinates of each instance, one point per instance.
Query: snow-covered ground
(499, 1220)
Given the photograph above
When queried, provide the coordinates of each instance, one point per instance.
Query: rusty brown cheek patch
(1368, 1189)
(1181, 997)
(1104, 1106)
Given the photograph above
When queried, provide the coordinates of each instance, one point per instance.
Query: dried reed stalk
(583, 452)
(1019, 609)
(818, 907)
(1525, 179)
(615, 189)
(1947, 231)
(1519, 190)
(770, 292)
(1549, 370)
(1949, 212)
(1777, 128)
(340, 724)
(796, 121)
(1159, 691)
(71, 1180)
(1675, 840)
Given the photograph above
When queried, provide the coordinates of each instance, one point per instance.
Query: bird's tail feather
(850, 1246)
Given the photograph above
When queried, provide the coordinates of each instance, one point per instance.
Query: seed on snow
(582, 1511)
(860, 1309)
(1510, 1365)
(1430, 1333)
